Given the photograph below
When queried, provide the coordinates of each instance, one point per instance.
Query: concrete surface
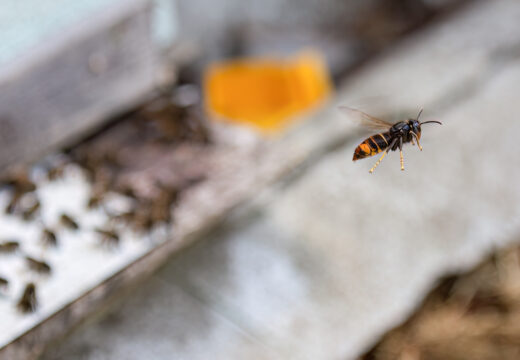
(332, 257)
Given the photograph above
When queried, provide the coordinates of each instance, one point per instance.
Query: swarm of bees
(392, 137)
(27, 302)
(164, 121)
(20, 186)
(146, 213)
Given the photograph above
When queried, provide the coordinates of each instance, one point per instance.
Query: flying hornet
(391, 137)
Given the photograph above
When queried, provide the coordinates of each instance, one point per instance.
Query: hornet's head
(415, 125)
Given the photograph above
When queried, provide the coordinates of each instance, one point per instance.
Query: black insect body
(392, 139)
(38, 266)
(20, 184)
(49, 238)
(108, 237)
(69, 222)
(30, 212)
(9, 247)
(28, 302)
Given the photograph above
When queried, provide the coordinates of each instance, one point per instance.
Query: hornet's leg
(401, 152)
(384, 154)
(378, 161)
(416, 138)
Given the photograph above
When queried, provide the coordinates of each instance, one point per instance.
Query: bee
(49, 238)
(31, 211)
(4, 283)
(13, 204)
(8, 247)
(19, 181)
(124, 217)
(174, 122)
(38, 266)
(68, 222)
(393, 138)
(108, 237)
(28, 302)
(56, 172)
(96, 198)
(157, 210)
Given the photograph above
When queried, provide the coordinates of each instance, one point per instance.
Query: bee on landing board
(49, 238)
(4, 283)
(38, 266)
(393, 137)
(68, 222)
(28, 302)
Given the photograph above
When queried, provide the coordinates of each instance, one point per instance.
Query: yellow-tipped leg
(402, 160)
(416, 138)
(418, 144)
(378, 161)
(413, 143)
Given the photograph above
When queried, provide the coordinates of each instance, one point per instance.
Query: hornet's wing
(362, 119)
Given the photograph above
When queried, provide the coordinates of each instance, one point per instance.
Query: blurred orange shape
(266, 93)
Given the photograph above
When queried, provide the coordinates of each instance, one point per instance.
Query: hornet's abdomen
(371, 146)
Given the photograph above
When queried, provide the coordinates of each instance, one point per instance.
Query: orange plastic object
(266, 93)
